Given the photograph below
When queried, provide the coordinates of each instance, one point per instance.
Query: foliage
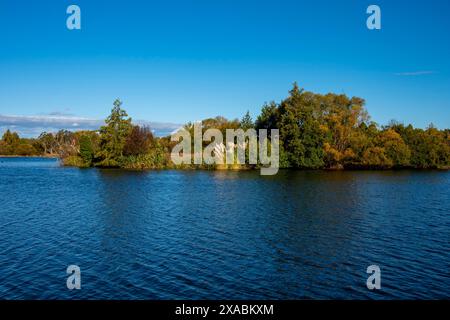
(11, 138)
(12, 144)
(155, 158)
(113, 136)
(335, 131)
(86, 149)
(138, 141)
(331, 131)
(247, 122)
(74, 161)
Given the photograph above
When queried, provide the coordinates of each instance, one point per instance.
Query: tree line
(330, 131)
(335, 131)
(60, 144)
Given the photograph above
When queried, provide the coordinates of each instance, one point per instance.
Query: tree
(247, 122)
(86, 149)
(375, 157)
(269, 117)
(47, 142)
(12, 144)
(11, 138)
(300, 129)
(113, 136)
(395, 148)
(139, 141)
(344, 121)
(65, 143)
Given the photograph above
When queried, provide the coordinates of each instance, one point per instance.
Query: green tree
(86, 149)
(247, 122)
(300, 129)
(269, 117)
(113, 136)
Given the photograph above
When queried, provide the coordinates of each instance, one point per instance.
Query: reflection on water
(221, 235)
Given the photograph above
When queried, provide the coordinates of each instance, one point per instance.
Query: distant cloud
(32, 126)
(414, 73)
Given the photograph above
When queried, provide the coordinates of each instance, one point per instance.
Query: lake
(222, 235)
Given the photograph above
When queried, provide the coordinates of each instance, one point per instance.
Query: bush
(155, 159)
(74, 161)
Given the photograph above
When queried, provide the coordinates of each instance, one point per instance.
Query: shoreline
(190, 168)
(18, 156)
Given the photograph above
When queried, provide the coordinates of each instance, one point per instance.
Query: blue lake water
(222, 235)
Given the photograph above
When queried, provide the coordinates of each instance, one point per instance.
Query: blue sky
(178, 61)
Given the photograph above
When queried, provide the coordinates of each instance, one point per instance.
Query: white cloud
(414, 73)
(32, 126)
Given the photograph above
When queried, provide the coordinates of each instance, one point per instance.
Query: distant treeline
(61, 144)
(316, 132)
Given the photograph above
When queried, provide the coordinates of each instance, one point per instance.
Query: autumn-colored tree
(12, 144)
(11, 138)
(375, 157)
(395, 148)
(138, 141)
(25, 149)
(344, 122)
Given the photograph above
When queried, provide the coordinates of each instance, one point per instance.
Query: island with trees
(317, 131)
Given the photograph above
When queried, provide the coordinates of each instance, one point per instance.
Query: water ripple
(221, 235)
